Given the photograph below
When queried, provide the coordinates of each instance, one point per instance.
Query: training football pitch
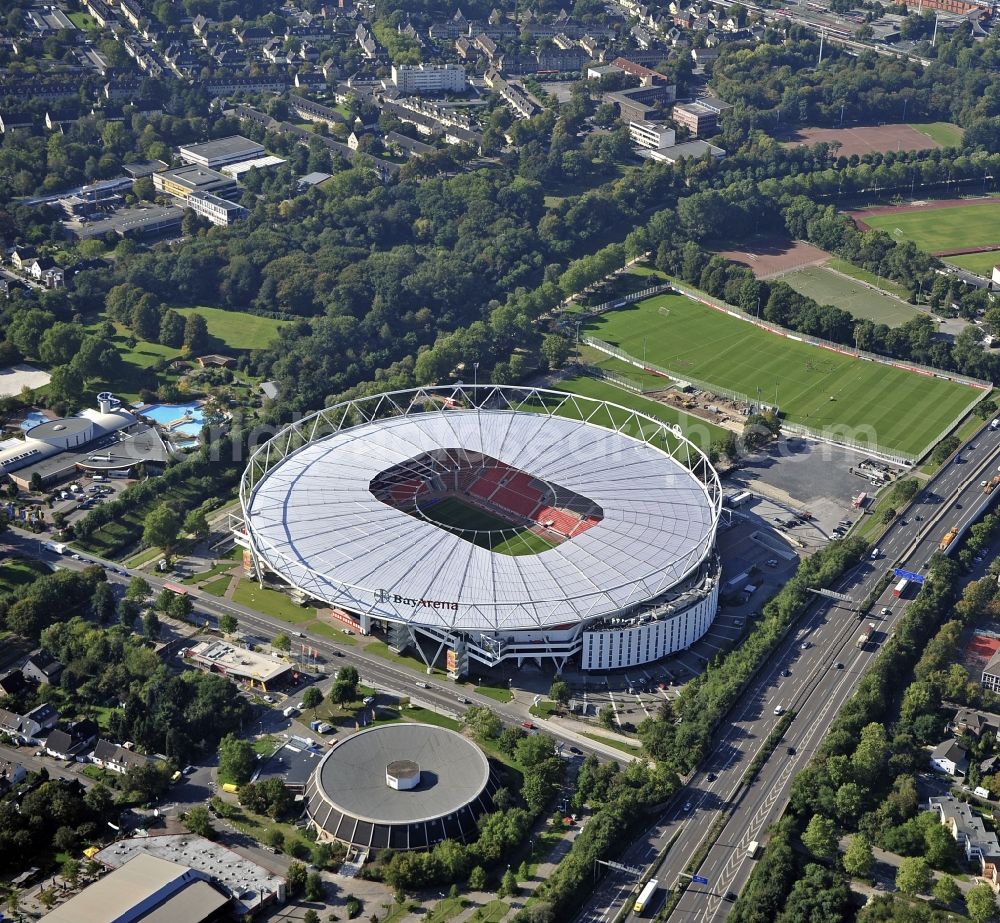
(484, 529)
(938, 229)
(901, 411)
(851, 295)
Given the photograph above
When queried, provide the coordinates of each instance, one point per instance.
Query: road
(383, 675)
(815, 689)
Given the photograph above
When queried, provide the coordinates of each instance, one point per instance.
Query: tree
(914, 876)
(555, 350)
(228, 624)
(606, 717)
(196, 523)
(477, 879)
(508, 885)
(297, 877)
(128, 612)
(172, 330)
(314, 887)
(199, 821)
(312, 697)
(820, 837)
(163, 526)
(138, 589)
(981, 903)
(946, 890)
(103, 602)
(560, 692)
(236, 759)
(310, 916)
(858, 857)
(195, 334)
(151, 625)
(70, 871)
(281, 642)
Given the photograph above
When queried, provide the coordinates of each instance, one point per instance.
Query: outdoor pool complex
(183, 419)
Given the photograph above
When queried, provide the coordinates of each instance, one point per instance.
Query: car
(786, 672)
(804, 646)
(464, 701)
(886, 610)
(958, 506)
(576, 750)
(76, 557)
(773, 562)
(687, 806)
(839, 665)
(338, 653)
(875, 554)
(779, 709)
(711, 777)
(422, 684)
(731, 896)
(269, 699)
(528, 725)
(919, 518)
(790, 751)
(300, 706)
(187, 770)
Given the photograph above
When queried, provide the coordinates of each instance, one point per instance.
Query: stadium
(497, 523)
(400, 786)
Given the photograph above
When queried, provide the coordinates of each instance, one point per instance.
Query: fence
(624, 300)
(620, 380)
(739, 314)
(677, 377)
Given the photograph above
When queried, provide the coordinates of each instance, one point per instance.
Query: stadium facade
(499, 523)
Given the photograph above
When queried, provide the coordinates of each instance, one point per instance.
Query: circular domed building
(401, 786)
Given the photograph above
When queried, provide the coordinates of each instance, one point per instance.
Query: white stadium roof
(312, 518)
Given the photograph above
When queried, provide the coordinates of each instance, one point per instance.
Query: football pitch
(901, 411)
(485, 529)
(981, 263)
(939, 229)
(828, 287)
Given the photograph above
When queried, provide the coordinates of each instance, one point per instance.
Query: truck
(866, 635)
(899, 590)
(57, 547)
(753, 848)
(290, 712)
(990, 485)
(645, 897)
(948, 538)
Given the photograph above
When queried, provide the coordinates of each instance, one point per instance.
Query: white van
(875, 554)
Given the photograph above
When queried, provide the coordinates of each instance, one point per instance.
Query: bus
(646, 895)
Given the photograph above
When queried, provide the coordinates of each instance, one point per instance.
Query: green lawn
(498, 693)
(17, 573)
(947, 134)
(981, 263)
(381, 649)
(493, 912)
(856, 272)
(218, 586)
(815, 386)
(617, 744)
(446, 910)
(827, 287)
(700, 432)
(937, 229)
(272, 602)
(235, 329)
(83, 21)
(485, 529)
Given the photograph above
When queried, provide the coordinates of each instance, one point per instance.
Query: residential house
(973, 722)
(950, 757)
(117, 758)
(966, 827)
(41, 667)
(21, 257)
(44, 715)
(78, 738)
(13, 683)
(11, 774)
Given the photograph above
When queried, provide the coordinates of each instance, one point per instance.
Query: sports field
(864, 301)
(900, 410)
(937, 230)
(981, 263)
(484, 529)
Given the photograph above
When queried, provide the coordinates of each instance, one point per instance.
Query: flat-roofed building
(216, 209)
(236, 170)
(215, 154)
(242, 665)
(146, 889)
(180, 183)
(701, 117)
(651, 134)
(429, 78)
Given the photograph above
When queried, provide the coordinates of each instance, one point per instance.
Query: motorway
(815, 690)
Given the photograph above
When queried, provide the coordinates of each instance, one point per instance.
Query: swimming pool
(183, 419)
(34, 418)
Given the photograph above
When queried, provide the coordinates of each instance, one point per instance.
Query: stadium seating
(557, 520)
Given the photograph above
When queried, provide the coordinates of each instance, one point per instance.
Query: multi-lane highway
(815, 689)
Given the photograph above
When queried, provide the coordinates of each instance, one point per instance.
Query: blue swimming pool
(184, 419)
(34, 418)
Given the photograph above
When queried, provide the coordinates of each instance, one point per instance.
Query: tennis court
(900, 410)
